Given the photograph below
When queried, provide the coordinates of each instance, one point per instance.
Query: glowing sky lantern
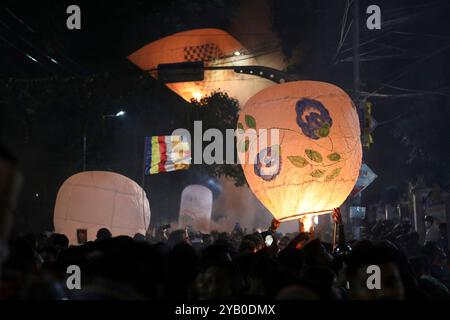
(315, 164)
(215, 48)
(95, 199)
(196, 207)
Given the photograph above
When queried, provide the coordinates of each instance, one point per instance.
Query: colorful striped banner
(166, 153)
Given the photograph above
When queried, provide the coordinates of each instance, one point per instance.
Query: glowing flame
(197, 95)
(308, 222)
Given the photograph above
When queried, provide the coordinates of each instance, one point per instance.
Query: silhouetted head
(216, 283)
(375, 264)
(247, 246)
(177, 237)
(429, 221)
(321, 281)
(59, 241)
(103, 234)
(139, 237)
(316, 254)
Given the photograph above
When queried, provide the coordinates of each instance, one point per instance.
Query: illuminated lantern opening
(310, 221)
(196, 207)
(214, 47)
(97, 199)
(315, 164)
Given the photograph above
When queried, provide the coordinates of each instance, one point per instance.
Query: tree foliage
(217, 111)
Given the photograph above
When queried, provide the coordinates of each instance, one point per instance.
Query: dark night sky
(408, 60)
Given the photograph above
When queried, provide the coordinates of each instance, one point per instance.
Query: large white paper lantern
(96, 199)
(316, 162)
(196, 207)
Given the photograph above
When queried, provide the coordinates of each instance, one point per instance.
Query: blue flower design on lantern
(313, 118)
(268, 163)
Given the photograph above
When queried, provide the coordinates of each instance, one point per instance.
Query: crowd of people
(189, 265)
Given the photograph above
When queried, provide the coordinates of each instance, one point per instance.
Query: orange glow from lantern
(197, 96)
(214, 47)
(319, 148)
(308, 223)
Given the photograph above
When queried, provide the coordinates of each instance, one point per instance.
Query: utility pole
(360, 107)
(356, 78)
(356, 82)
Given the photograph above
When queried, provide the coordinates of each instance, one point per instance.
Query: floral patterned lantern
(315, 163)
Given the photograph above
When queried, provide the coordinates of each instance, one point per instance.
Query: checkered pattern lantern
(315, 163)
(215, 48)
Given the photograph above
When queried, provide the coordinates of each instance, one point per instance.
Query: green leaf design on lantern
(333, 174)
(298, 161)
(334, 156)
(250, 121)
(317, 173)
(313, 155)
(324, 131)
(243, 145)
(240, 126)
(246, 145)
